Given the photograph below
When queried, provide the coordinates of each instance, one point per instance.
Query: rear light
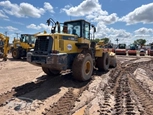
(55, 51)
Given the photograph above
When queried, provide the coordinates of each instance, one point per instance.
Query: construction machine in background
(4, 46)
(70, 49)
(132, 50)
(121, 49)
(109, 47)
(150, 50)
(23, 45)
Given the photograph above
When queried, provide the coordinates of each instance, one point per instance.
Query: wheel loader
(70, 49)
(5, 47)
(23, 45)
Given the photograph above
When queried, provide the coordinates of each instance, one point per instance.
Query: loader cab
(81, 28)
(28, 38)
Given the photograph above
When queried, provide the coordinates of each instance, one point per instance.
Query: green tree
(106, 40)
(95, 40)
(140, 42)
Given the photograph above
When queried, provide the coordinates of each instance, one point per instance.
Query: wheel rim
(87, 67)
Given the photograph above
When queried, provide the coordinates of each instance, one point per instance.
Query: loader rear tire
(82, 67)
(50, 72)
(16, 53)
(103, 62)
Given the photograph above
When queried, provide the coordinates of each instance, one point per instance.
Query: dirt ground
(125, 90)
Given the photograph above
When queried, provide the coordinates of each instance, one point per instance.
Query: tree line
(138, 42)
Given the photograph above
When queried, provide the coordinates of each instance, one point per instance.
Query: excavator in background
(5, 47)
(132, 50)
(23, 45)
(121, 49)
(150, 50)
(70, 49)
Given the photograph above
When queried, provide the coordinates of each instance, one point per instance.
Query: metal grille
(43, 45)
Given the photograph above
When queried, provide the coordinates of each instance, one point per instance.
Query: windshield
(122, 46)
(28, 39)
(74, 28)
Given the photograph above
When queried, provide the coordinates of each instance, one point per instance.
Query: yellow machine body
(6, 46)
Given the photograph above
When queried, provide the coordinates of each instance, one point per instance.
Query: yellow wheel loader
(23, 45)
(4, 46)
(70, 49)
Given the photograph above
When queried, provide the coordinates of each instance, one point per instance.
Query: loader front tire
(103, 62)
(16, 53)
(82, 67)
(50, 72)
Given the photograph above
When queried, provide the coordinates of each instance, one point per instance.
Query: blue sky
(126, 20)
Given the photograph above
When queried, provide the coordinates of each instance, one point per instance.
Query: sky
(126, 20)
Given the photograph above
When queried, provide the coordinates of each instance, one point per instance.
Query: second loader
(70, 49)
(23, 45)
(5, 47)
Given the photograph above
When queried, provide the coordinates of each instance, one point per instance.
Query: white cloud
(104, 31)
(25, 9)
(33, 26)
(142, 14)
(10, 28)
(48, 7)
(2, 15)
(92, 10)
(84, 8)
(143, 30)
(38, 27)
(106, 19)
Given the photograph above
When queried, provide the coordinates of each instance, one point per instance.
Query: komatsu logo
(69, 47)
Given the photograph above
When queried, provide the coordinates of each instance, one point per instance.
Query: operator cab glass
(122, 46)
(132, 47)
(28, 38)
(151, 47)
(81, 28)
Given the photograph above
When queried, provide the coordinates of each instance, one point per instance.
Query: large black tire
(16, 53)
(82, 67)
(102, 63)
(50, 72)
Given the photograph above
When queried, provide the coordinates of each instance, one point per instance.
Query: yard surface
(124, 90)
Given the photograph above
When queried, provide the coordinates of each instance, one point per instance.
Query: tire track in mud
(125, 103)
(119, 86)
(143, 96)
(47, 88)
(20, 90)
(66, 102)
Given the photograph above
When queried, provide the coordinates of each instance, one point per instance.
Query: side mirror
(94, 28)
(48, 22)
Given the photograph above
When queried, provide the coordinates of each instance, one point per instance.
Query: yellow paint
(6, 46)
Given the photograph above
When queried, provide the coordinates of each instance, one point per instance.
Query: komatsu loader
(71, 49)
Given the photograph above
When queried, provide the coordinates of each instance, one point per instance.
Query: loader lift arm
(6, 46)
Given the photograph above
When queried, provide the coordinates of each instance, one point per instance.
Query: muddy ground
(124, 90)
